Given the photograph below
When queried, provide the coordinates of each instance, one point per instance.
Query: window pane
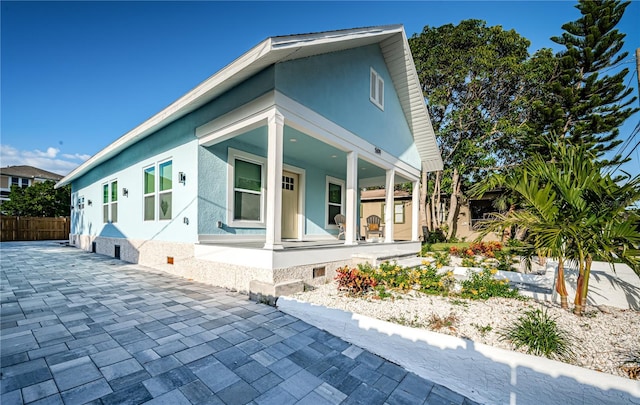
(114, 212)
(373, 85)
(380, 97)
(149, 208)
(335, 193)
(114, 191)
(105, 213)
(150, 180)
(165, 206)
(247, 206)
(248, 175)
(105, 194)
(165, 176)
(333, 211)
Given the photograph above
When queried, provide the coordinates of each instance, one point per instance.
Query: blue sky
(75, 76)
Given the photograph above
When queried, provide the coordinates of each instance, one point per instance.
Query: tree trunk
(424, 207)
(452, 215)
(585, 283)
(435, 201)
(561, 287)
(579, 287)
(506, 233)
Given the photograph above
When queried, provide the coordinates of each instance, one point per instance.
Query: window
(149, 193)
(246, 182)
(19, 182)
(247, 190)
(158, 191)
(165, 187)
(110, 202)
(398, 212)
(335, 199)
(376, 89)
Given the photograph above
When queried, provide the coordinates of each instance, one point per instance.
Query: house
(22, 176)
(237, 182)
(373, 202)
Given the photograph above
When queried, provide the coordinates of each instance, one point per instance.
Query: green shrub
(482, 285)
(425, 249)
(540, 335)
(506, 260)
(442, 259)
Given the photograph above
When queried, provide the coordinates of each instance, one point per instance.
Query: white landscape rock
(471, 356)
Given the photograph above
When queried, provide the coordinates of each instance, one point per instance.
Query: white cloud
(76, 156)
(48, 160)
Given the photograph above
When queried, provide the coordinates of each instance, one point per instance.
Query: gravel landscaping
(604, 339)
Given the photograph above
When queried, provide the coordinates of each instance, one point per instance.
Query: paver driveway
(84, 328)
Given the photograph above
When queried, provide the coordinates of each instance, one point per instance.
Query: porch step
(376, 259)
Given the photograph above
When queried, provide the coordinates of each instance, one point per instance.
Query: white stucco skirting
(483, 373)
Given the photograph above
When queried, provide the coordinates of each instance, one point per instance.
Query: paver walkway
(83, 328)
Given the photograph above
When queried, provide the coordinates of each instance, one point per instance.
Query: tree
(479, 84)
(38, 200)
(572, 210)
(585, 104)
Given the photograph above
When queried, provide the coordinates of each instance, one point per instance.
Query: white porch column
(389, 207)
(415, 211)
(351, 211)
(275, 128)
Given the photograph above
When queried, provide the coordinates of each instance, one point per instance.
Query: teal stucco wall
(176, 141)
(336, 85)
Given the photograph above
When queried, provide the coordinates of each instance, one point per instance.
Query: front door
(290, 186)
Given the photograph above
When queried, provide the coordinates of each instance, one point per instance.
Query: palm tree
(572, 210)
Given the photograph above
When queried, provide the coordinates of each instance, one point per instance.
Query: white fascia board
(427, 135)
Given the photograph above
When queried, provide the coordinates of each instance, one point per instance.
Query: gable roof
(29, 172)
(395, 50)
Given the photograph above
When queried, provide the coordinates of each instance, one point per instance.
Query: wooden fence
(29, 228)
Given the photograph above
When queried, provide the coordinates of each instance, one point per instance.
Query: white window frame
(156, 190)
(376, 89)
(342, 184)
(233, 155)
(396, 204)
(153, 194)
(109, 204)
(160, 192)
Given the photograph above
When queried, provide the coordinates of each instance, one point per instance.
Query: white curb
(482, 373)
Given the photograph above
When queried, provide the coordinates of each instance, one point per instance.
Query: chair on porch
(341, 221)
(374, 227)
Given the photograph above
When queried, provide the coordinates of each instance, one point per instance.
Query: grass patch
(444, 246)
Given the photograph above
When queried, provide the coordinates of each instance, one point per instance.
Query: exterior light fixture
(182, 178)
(125, 192)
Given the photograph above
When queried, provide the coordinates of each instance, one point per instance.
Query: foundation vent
(319, 271)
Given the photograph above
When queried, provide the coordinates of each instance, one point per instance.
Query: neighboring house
(372, 202)
(237, 182)
(471, 213)
(22, 176)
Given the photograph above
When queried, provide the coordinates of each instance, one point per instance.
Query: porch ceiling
(300, 147)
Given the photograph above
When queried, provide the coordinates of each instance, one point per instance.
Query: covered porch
(300, 149)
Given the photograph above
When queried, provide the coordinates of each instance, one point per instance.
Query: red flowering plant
(354, 281)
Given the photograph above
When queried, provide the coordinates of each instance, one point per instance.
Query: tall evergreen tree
(587, 105)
